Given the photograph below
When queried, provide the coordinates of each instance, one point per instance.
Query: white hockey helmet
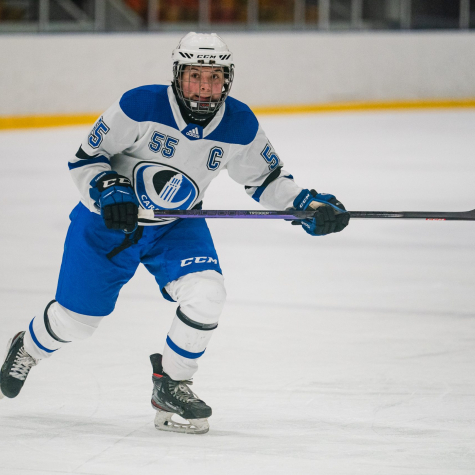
(204, 52)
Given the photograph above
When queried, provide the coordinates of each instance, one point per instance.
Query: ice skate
(15, 368)
(171, 397)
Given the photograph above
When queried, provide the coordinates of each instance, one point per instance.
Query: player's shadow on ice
(50, 426)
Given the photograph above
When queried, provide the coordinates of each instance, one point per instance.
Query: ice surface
(353, 353)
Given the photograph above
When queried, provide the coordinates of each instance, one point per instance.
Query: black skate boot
(15, 368)
(175, 397)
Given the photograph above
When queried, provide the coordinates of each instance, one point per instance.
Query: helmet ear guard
(206, 53)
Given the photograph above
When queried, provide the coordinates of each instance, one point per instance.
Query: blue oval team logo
(163, 187)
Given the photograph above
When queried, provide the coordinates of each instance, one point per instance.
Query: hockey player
(159, 147)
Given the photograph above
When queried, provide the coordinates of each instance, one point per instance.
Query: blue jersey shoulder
(238, 125)
(148, 103)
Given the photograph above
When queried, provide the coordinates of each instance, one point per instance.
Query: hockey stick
(289, 214)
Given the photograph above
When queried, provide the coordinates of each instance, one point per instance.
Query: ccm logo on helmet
(198, 260)
(204, 56)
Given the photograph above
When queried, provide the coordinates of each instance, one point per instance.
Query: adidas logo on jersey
(194, 133)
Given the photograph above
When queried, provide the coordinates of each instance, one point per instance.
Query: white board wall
(84, 73)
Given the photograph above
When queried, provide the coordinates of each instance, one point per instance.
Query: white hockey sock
(56, 327)
(37, 342)
(186, 342)
(201, 296)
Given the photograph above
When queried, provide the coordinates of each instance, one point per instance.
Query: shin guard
(186, 342)
(57, 327)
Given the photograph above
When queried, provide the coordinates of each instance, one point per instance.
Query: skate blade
(163, 421)
(6, 354)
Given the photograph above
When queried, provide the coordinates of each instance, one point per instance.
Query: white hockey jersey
(144, 137)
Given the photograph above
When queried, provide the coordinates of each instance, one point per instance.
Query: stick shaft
(288, 214)
(427, 215)
(224, 213)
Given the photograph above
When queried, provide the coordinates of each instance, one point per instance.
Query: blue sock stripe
(181, 352)
(36, 340)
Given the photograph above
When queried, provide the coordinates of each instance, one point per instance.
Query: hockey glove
(114, 195)
(330, 216)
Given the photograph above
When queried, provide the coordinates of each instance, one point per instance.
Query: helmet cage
(203, 108)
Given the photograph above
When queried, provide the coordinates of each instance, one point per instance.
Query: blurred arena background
(139, 15)
(64, 61)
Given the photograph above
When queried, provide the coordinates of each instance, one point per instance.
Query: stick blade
(471, 215)
(462, 216)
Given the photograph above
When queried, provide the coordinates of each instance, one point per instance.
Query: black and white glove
(114, 195)
(330, 214)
